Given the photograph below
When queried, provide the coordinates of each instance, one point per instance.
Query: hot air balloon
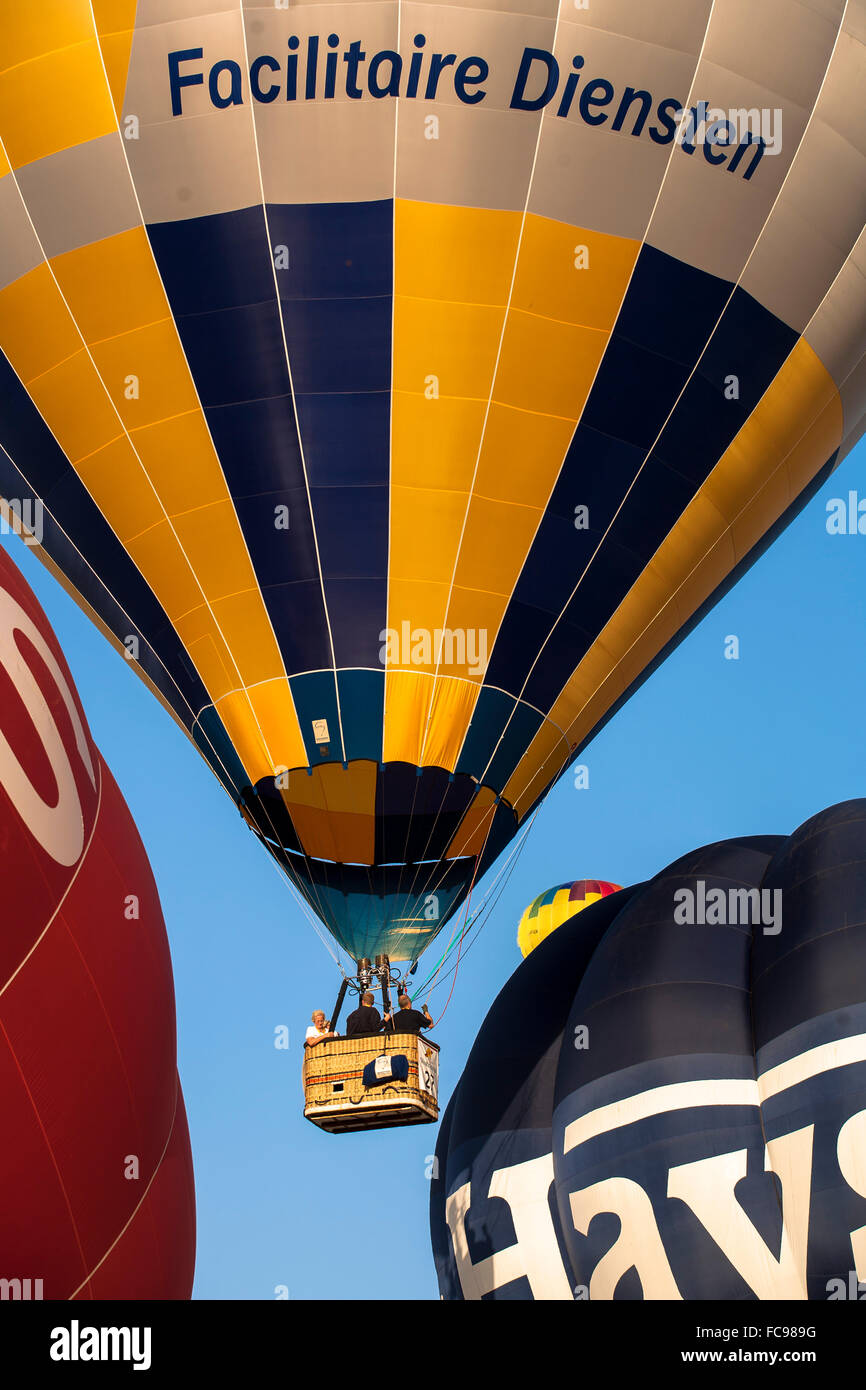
(97, 1198)
(549, 910)
(685, 1118)
(395, 394)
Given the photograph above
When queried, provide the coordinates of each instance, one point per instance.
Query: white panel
(591, 175)
(672, 24)
(778, 44)
(19, 247)
(80, 195)
(204, 160)
(837, 333)
(481, 159)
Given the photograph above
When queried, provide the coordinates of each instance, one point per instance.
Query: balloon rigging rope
(486, 904)
(482, 916)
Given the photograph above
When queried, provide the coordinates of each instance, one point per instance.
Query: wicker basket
(336, 1099)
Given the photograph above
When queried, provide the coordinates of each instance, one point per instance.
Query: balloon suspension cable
(486, 907)
(484, 913)
(478, 859)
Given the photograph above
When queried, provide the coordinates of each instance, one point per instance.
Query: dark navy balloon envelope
(685, 1065)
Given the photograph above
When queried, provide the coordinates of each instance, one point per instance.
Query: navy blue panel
(352, 529)
(258, 445)
(336, 250)
(633, 392)
(357, 612)
(315, 697)
(564, 650)
(335, 295)
(280, 555)
(220, 282)
(596, 473)
(524, 725)
(671, 308)
(362, 705)
(297, 616)
(76, 533)
(520, 636)
(339, 344)
(559, 555)
(418, 811)
(489, 717)
(238, 355)
(751, 343)
(221, 261)
(346, 438)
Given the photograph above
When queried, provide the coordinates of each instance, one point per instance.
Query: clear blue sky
(706, 749)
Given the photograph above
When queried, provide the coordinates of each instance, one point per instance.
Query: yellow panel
(276, 713)
(483, 565)
(208, 653)
(246, 738)
(178, 457)
(212, 541)
(152, 355)
(54, 102)
(114, 22)
(158, 556)
(73, 403)
(245, 624)
(407, 701)
(349, 789)
(425, 532)
(480, 612)
(344, 829)
(471, 833)
(456, 343)
(34, 299)
(420, 606)
(127, 501)
(454, 253)
(112, 285)
(556, 333)
(547, 366)
(549, 283)
(27, 30)
(522, 455)
(434, 444)
(787, 439)
(450, 713)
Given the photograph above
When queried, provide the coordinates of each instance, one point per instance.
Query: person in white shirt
(318, 1030)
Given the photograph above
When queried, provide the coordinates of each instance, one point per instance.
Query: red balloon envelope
(96, 1183)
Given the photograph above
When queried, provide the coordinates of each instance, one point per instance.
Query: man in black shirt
(365, 1021)
(409, 1020)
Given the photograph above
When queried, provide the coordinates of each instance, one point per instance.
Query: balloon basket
(336, 1099)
